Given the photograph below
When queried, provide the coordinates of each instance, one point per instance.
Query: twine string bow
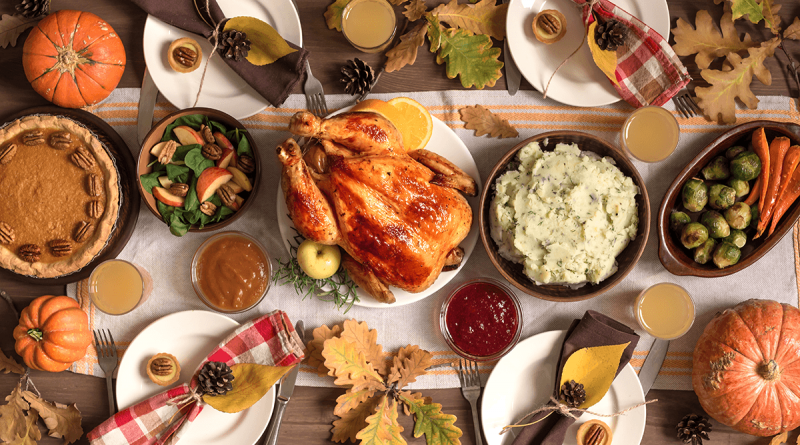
(590, 5)
(215, 33)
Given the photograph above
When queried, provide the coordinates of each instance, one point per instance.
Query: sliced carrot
(762, 150)
(755, 192)
(790, 194)
(777, 151)
(790, 162)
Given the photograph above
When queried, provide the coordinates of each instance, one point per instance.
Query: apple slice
(210, 180)
(222, 141)
(166, 197)
(228, 158)
(187, 136)
(235, 187)
(165, 182)
(240, 179)
(156, 150)
(237, 203)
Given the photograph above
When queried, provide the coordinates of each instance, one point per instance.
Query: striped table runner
(168, 258)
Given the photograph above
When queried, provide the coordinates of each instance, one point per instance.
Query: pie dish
(60, 196)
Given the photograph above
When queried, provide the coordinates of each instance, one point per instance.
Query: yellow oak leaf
(12, 416)
(360, 391)
(756, 11)
(382, 427)
(8, 364)
(780, 438)
(415, 10)
(366, 341)
(793, 31)
(413, 396)
(771, 18)
(485, 122)
(595, 368)
(718, 101)
(31, 433)
(605, 60)
(353, 421)
(439, 428)
(405, 52)
(333, 15)
(484, 17)
(250, 383)
(706, 41)
(435, 30)
(266, 44)
(470, 57)
(314, 357)
(61, 420)
(345, 360)
(410, 363)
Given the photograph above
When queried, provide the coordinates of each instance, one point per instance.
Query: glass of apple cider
(369, 25)
(117, 287)
(650, 134)
(665, 311)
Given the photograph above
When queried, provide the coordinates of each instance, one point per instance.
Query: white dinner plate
(223, 89)
(190, 336)
(445, 142)
(580, 82)
(524, 379)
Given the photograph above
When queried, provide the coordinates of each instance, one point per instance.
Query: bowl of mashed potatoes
(564, 216)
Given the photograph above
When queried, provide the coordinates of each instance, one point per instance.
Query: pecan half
(596, 435)
(246, 164)
(60, 247)
(226, 195)
(179, 189)
(33, 137)
(212, 151)
(6, 233)
(161, 366)
(549, 23)
(165, 157)
(95, 209)
(7, 153)
(82, 231)
(208, 208)
(94, 185)
(185, 56)
(29, 252)
(61, 140)
(83, 158)
(208, 136)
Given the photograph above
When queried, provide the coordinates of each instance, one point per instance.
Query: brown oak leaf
(314, 357)
(12, 26)
(405, 52)
(366, 341)
(353, 421)
(346, 361)
(31, 431)
(8, 364)
(410, 363)
(382, 427)
(485, 122)
(333, 15)
(780, 438)
(12, 416)
(415, 10)
(397, 2)
(61, 420)
(793, 31)
(362, 389)
(706, 41)
(484, 17)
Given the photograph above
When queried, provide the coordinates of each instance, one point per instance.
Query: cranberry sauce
(482, 319)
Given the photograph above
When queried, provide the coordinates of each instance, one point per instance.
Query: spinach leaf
(244, 147)
(150, 180)
(165, 211)
(192, 202)
(216, 126)
(155, 161)
(180, 152)
(192, 216)
(159, 167)
(178, 173)
(204, 220)
(222, 213)
(177, 225)
(197, 162)
(214, 199)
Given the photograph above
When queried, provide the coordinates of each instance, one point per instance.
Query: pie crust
(45, 195)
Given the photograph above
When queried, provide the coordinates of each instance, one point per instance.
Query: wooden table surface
(309, 415)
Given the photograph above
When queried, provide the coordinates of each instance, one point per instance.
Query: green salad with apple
(202, 172)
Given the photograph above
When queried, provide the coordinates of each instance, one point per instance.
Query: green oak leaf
(471, 57)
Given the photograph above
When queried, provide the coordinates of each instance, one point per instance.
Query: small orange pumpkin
(52, 333)
(73, 58)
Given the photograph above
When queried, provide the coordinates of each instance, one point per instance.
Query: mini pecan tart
(163, 369)
(549, 26)
(64, 169)
(184, 55)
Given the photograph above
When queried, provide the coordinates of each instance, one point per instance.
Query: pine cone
(572, 393)
(610, 35)
(693, 429)
(359, 77)
(215, 378)
(33, 8)
(234, 44)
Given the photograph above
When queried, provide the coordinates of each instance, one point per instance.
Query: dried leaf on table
(346, 361)
(366, 341)
(250, 383)
(415, 10)
(333, 15)
(397, 2)
(397, 362)
(793, 31)
(353, 421)
(435, 30)
(414, 396)
(8, 364)
(266, 44)
(12, 416)
(706, 41)
(439, 428)
(405, 52)
(718, 101)
(382, 427)
(12, 26)
(31, 431)
(315, 358)
(61, 420)
(484, 17)
(485, 122)
(757, 11)
(470, 57)
(605, 60)
(595, 368)
(410, 363)
(780, 438)
(362, 390)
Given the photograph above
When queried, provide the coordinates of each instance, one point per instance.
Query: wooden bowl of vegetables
(733, 202)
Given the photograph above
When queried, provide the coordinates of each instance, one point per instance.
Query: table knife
(513, 76)
(147, 104)
(285, 390)
(652, 364)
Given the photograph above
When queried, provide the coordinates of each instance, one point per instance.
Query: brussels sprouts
(693, 235)
(746, 166)
(754, 213)
(695, 195)
(721, 196)
(726, 254)
(738, 216)
(717, 169)
(716, 224)
(702, 254)
(742, 188)
(733, 151)
(677, 220)
(737, 238)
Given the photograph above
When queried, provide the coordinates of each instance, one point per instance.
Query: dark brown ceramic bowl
(154, 137)
(672, 254)
(626, 260)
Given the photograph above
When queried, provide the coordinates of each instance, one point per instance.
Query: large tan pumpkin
(746, 367)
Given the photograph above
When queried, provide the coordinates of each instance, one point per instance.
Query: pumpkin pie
(59, 196)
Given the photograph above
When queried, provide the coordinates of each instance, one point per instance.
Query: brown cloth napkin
(274, 81)
(594, 329)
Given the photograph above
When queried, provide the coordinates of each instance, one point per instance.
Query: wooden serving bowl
(626, 260)
(672, 254)
(154, 137)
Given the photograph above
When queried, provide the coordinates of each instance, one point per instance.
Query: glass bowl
(453, 342)
(195, 278)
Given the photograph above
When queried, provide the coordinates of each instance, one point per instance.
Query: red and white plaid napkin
(268, 340)
(648, 70)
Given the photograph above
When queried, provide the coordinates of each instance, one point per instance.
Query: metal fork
(471, 389)
(315, 97)
(685, 104)
(107, 357)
